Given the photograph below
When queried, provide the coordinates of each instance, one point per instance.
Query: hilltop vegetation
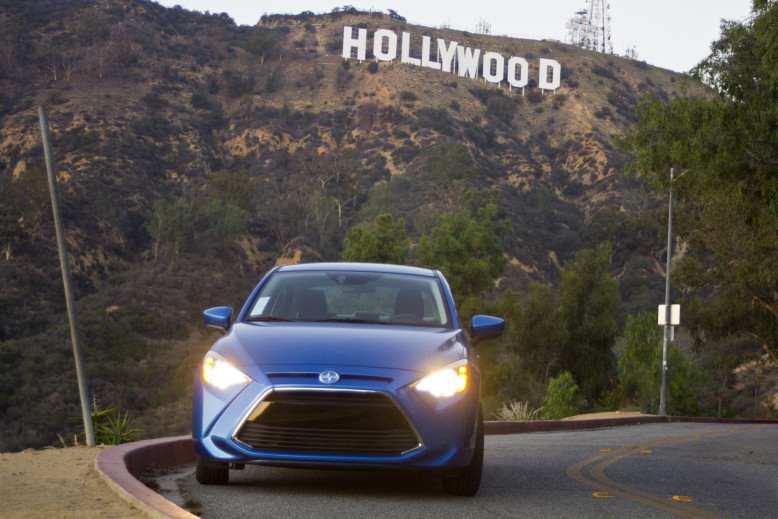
(194, 155)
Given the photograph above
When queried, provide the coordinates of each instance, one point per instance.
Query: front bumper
(367, 419)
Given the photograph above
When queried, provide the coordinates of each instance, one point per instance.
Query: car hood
(376, 346)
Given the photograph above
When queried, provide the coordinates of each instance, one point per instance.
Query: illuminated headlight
(444, 382)
(221, 374)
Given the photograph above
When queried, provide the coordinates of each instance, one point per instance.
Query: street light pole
(666, 339)
(67, 281)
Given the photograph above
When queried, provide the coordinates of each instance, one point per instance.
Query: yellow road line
(605, 485)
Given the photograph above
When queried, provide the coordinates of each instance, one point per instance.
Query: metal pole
(663, 392)
(70, 299)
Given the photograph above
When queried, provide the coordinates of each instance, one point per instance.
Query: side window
(273, 303)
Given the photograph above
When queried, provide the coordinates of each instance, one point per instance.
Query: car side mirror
(484, 327)
(219, 318)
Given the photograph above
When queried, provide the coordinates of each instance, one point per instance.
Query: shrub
(55, 97)
(435, 119)
(200, 100)
(562, 397)
(334, 44)
(261, 43)
(342, 77)
(603, 71)
(500, 108)
(518, 412)
(534, 97)
(559, 100)
(238, 83)
(612, 398)
(111, 427)
(154, 101)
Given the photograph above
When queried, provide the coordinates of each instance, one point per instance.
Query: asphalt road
(647, 471)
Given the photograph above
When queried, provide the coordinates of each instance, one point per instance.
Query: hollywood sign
(453, 58)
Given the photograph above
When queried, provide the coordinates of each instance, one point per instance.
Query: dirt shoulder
(61, 483)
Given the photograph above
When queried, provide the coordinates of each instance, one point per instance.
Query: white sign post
(674, 314)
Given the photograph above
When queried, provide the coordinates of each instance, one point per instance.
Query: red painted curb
(119, 465)
(597, 423)
(567, 425)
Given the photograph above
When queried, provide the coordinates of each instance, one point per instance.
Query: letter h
(360, 43)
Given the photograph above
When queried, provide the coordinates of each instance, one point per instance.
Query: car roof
(359, 267)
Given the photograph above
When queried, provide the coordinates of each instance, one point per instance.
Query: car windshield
(361, 297)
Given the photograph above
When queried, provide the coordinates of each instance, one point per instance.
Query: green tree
(640, 364)
(552, 330)
(380, 241)
(518, 365)
(534, 334)
(171, 228)
(640, 370)
(720, 137)
(24, 205)
(319, 215)
(261, 43)
(226, 220)
(232, 187)
(380, 200)
(468, 251)
(588, 296)
(448, 163)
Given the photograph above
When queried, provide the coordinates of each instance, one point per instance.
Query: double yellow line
(606, 487)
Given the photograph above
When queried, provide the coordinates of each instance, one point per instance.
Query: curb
(567, 425)
(120, 465)
(598, 423)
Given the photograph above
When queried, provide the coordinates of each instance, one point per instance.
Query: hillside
(164, 121)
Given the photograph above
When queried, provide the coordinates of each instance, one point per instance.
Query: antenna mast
(483, 27)
(590, 28)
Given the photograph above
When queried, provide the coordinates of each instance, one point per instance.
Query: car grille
(329, 422)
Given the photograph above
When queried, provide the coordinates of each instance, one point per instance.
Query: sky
(672, 34)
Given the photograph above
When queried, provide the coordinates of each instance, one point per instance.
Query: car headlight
(445, 382)
(221, 374)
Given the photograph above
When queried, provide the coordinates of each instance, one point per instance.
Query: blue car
(343, 365)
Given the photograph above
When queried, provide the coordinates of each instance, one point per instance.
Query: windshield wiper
(356, 320)
(269, 320)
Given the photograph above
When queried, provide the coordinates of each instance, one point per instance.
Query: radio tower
(590, 28)
(483, 27)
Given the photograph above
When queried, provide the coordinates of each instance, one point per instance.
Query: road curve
(702, 471)
(561, 474)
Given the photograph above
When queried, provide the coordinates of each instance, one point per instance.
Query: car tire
(211, 472)
(465, 481)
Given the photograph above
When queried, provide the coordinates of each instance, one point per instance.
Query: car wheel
(465, 481)
(211, 472)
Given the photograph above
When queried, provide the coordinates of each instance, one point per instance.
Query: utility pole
(70, 299)
(663, 392)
